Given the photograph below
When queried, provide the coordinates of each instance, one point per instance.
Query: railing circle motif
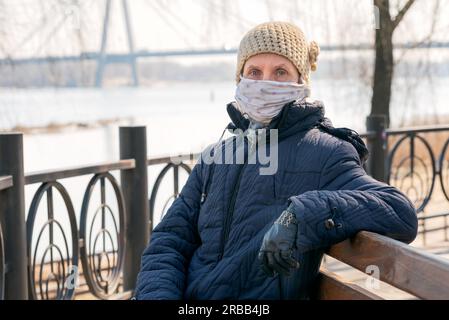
(63, 271)
(103, 280)
(2, 266)
(444, 169)
(413, 168)
(158, 182)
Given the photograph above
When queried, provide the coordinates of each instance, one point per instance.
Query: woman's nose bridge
(267, 74)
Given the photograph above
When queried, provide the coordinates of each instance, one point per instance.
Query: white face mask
(262, 100)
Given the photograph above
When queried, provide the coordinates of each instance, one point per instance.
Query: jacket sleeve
(354, 201)
(165, 261)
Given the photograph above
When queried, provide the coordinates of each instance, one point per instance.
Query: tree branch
(428, 38)
(402, 13)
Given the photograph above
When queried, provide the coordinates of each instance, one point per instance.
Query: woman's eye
(281, 72)
(254, 73)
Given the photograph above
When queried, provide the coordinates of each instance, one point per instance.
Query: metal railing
(87, 244)
(416, 161)
(169, 164)
(33, 265)
(5, 183)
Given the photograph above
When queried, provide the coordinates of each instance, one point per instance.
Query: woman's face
(270, 66)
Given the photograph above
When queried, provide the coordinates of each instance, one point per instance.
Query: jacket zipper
(230, 212)
(210, 177)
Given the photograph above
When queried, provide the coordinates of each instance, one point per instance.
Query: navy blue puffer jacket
(208, 249)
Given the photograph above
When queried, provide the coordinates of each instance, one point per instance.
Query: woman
(234, 233)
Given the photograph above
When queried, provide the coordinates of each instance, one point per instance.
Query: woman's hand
(278, 245)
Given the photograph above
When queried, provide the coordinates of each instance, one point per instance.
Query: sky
(36, 28)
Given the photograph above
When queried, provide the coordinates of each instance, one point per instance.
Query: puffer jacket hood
(298, 116)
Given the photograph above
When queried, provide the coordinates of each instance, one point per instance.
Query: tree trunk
(384, 64)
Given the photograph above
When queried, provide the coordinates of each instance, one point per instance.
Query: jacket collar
(299, 116)
(294, 117)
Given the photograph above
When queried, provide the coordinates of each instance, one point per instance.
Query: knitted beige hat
(282, 38)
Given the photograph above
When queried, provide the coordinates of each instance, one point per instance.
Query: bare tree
(384, 65)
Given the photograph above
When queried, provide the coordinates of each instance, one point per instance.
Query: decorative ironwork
(157, 183)
(63, 269)
(443, 165)
(414, 173)
(102, 265)
(2, 266)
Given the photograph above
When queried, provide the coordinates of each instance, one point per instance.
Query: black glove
(278, 245)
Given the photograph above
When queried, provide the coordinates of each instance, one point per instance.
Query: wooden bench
(421, 274)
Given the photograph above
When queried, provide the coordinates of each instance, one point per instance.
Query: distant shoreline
(62, 127)
(76, 126)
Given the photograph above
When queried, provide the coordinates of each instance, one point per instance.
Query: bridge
(69, 13)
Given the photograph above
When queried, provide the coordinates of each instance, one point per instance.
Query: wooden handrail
(56, 174)
(169, 159)
(418, 129)
(5, 182)
(412, 270)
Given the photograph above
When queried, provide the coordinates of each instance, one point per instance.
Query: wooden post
(134, 182)
(12, 215)
(377, 145)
